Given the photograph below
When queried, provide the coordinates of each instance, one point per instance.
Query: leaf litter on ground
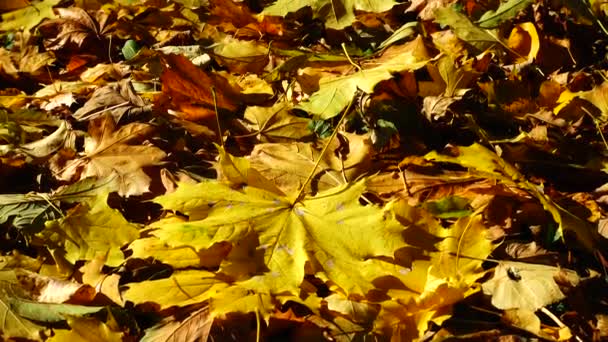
(302, 170)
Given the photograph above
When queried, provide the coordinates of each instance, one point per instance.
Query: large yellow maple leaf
(329, 234)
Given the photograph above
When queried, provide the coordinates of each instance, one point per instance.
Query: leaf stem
(314, 168)
(217, 117)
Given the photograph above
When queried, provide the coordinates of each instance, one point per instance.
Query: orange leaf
(191, 89)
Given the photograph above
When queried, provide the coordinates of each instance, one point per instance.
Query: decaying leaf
(193, 328)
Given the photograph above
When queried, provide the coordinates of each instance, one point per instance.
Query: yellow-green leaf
(28, 17)
(335, 93)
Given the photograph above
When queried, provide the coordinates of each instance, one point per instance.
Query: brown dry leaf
(117, 99)
(191, 90)
(427, 8)
(51, 290)
(27, 59)
(101, 71)
(193, 328)
(74, 25)
(420, 187)
(289, 165)
(602, 325)
(276, 124)
(107, 153)
(519, 250)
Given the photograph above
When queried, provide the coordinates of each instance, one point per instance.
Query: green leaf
(449, 207)
(321, 128)
(13, 325)
(30, 211)
(405, 31)
(49, 312)
(479, 38)
(130, 49)
(506, 11)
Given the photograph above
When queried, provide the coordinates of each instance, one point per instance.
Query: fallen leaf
(28, 16)
(289, 165)
(193, 328)
(506, 10)
(335, 93)
(87, 330)
(517, 285)
(89, 230)
(477, 37)
(276, 124)
(336, 15)
(290, 236)
(117, 99)
(107, 153)
(75, 26)
(192, 90)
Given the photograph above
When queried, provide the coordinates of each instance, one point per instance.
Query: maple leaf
(288, 165)
(106, 153)
(275, 124)
(194, 91)
(89, 230)
(74, 25)
(28, 16)
(118, 99)
(291, 235)
(335, 93)
(336, 14)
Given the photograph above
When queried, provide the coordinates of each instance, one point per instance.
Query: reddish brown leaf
(191, 89)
